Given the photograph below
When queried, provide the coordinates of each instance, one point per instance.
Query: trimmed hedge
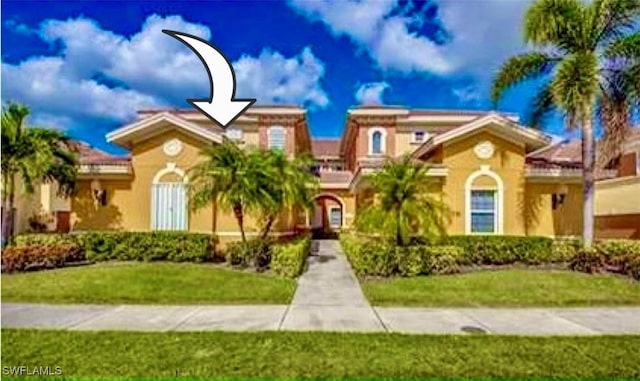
(620, 256)
(45, 239)
(288, 259)
(426, 260)
(370, 257)
(131, 246)
(148, 246)
(503, 250)
(37, 257)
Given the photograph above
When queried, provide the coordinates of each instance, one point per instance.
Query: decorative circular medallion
(484, 150)
(172, 147)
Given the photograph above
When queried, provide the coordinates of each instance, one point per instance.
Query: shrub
(442, 259)
(587, 260)
(147, 246)
(563, 250)
(425, 260)
(410, 260)
(254, 252)
(618, 247)
(35, 257)
(502, 250)
(373, 258)
(288, 259)
(44, 239)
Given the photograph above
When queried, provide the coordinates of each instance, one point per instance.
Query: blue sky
(86, 67)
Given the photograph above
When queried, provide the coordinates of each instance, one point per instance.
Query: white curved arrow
(221, 107)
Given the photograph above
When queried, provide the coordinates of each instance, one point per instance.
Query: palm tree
(587, 55)
(289, 184)
(229, 177)
(403, 206)
(32, 155)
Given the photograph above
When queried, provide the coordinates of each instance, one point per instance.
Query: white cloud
(273, 78)
(371, 93)
(386, 38)
(467, 94)
(483, 33)
(100, 74)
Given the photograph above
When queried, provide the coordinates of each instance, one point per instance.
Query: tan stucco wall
(541, 219)
(507, 162)
(129, 200)
(618, 196)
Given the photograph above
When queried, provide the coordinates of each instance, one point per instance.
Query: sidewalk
(328, 298)
(534, 321)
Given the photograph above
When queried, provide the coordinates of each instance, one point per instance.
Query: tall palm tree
(289, 184)
(230, 177)
(32, 155)
(587, 55)
(403, 206)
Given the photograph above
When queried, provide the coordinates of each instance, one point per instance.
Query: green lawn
(505, 288)
(146, 283)
(291, 355)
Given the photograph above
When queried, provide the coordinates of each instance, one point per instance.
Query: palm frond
(519, 69)
(554, 22)
(625, 47)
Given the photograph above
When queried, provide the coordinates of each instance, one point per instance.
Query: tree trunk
(398, 229)
(267, 227)
(238, 212)
(588, 174)
(8, 200)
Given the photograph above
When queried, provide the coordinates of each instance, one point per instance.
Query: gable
(473, 151)
(494, 124)
(136, 132)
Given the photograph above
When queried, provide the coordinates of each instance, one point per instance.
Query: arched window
(276, 137)
(484, 202)
(377, 141)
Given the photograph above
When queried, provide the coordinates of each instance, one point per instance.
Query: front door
(169, 206)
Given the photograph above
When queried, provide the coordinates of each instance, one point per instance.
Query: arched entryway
(328, 216)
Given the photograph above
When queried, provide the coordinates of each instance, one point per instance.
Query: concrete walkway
(534, 321)
(328, 298)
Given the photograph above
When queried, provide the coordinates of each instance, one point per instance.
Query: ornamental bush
(503, 250)
(37, 257)
(288, 259)
(426, 260)
(147, 246)
(254, 252)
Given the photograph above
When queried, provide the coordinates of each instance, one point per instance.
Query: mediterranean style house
(496, 176)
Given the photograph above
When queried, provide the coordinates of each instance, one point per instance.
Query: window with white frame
(377, 141)
(638, 163)
(484, 210)
(234, 134)
(335, 217)
(276, 137)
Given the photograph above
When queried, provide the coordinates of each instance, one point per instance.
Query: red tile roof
(569, 152)
(90, 155)
(325, 147)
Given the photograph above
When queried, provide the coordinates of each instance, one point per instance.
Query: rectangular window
(234, 133)
(483, 211)
(276, 137)
(418, 136)
(335, 217)
(638, 163)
